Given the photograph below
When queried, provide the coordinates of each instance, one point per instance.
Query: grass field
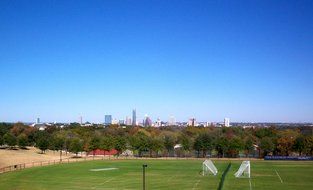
(161, 174)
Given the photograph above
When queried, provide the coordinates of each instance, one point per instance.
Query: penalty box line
(279, 176)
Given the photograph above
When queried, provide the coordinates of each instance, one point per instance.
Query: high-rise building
(38, 120)
(192, 122)
(172, 121)
(226, 122)
(108, 119)
(147, 121)
(134, 121)
(81, 120)
(128, 121)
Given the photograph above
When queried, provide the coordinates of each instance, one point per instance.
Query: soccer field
(160, 174)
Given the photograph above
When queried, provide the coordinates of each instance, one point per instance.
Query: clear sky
(246, 60)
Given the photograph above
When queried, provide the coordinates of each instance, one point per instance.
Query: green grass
(161, 174)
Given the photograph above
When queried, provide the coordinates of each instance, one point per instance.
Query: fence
(16, 167)
(21, 166)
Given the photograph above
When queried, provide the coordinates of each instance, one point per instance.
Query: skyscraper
(147, 121)
(38, 120)
(81, 120)
(172, 121)
(134, 118)
(108, 119)
(192, 122)
(128, 121)
(226, 122)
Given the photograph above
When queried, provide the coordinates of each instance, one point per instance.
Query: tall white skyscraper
(80, 120)
(38, 120)
(172, 121)
(226, 122)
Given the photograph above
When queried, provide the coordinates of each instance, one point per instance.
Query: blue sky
(247, 60)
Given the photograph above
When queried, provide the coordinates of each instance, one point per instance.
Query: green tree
(22, 141)
(9, 139)
(248, 145)
(1, 140)
(155, 144)
(106, 144)
(120, 144)
(186, 143)
(299, 144)
(76, 145)
(169, 142)
(94, 144)
(204, 143)
(221, 146)
(235, 145)
(42, 143)
(58, 143)
(266, 145)
(308, 144)
(139, 142)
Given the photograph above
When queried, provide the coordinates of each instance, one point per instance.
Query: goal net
(208, 167)
(244, 170)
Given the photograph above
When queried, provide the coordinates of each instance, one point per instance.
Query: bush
(22, 141)
(9, 139)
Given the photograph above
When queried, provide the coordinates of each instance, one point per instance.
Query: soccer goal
(208, 167)
(244, 170)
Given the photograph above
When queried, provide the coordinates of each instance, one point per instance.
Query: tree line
(164, 141)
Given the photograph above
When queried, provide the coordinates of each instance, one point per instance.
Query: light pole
(144, 176)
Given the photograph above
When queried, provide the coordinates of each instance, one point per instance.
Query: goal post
(208, 167)
(244, 170)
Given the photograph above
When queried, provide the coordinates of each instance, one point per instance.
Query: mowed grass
(286, 175)
(160, 174)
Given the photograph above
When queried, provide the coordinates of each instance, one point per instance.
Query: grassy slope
(161, 174)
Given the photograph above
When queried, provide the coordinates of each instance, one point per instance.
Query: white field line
(195, 185)
(250, 183)
(279, 176)
(106, 181)
(170, 178)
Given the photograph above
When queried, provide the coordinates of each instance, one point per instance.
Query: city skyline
(250, 61)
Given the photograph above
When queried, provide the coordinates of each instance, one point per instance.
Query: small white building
(226, 122)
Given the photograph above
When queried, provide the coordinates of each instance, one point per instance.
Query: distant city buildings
(108, 119)
(38, 120)
(158, 123)
(121, 122)
(192, 122)
(172, 121)
(147, 121)
(81, 120)
(115, 121)
(226, 122)
(134, 121)
(128, 121)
